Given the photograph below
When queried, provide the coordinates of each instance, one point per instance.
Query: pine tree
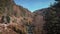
(52, 18)
(57, 0)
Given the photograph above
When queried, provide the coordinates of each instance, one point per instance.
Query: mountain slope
(19, 18)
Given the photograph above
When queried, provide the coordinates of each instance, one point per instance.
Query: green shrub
(8, 19)
(0, 32)
(17, 30)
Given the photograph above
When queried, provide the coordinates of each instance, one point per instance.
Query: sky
(33, 5)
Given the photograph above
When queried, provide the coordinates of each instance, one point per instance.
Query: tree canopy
(57, 0)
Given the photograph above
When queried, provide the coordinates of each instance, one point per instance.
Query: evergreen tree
(8, 19)
(52, 18)
(57, 0)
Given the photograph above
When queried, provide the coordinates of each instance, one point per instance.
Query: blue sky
(33, 5)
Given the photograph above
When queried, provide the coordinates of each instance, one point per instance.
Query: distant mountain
(39, 20)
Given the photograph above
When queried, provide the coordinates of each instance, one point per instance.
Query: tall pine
(52, 18)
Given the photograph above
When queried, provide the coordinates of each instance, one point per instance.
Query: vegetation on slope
(52, 18)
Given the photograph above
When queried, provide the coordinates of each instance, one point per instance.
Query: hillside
(18, 18)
